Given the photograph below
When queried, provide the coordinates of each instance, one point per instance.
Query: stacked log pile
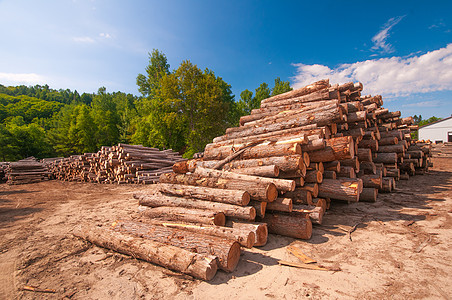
(277, 172)
(26, 171)
(117, 164)
(3, 167)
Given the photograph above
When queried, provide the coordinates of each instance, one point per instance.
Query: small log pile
(3, 167)
(25, 171)
(117, 164)
(440, 150)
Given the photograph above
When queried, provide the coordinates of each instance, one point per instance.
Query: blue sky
(399, 49)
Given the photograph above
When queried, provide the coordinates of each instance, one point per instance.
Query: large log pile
(25, 171)
(278, 172)
(117, 164)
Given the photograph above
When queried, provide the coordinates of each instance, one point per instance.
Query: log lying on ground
(280, 204)
(315, 213)
(368, 195)
(227, 251)
(229, 210)
(260, 231)
(245, 238)
(235, 197)
(197, 265)
(347, 189)
(261, 191)
(281, 184)
(190, 215)
(294, 225)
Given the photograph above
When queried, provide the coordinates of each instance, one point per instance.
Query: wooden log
(260, 208)
(395, 173)
(391, 140)
(265, 149)
(398, 148)
(313, 176)
(198, 216)
(329, 174)
(347, 172)
(194, 264)
(260, 231)
(229, 210)
(336, 149)
(284, 163)
(235, 197)
(262, 191)
(271, 171)
(294, 225)
(296, 174)
(385, 158)
(332, 166)
(368, 195)
(315, 213)
(300, 196)
(245, 238)
(364, 154)
(352, 162)
(316, 86)
(227, 251)
(371, 144)
(280, 204)
(367, 167)
(388, 184)
(347, 189)
(281, 184)
(371, 181)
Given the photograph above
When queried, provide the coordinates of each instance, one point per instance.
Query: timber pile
(25, 171)
(3, 167)
(117, 164)
(441, 150)
(278, 172)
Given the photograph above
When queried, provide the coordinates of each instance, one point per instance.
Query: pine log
(336, 149)
(329, 174)
(280, 204)
(260, 207)
(229, 210)
(198, 216)
(332, 166)
(316, 86)
(281, 184)
(347, 172)
(235, 197)
(371, 181)
(258, 151)
(392, 140)
(260, 231)
(388, 184)
(271, 171)
(262, 191)
(284, 163)
(300, 196)
(398, 148)
(386, 158)
(365, 154)
(313, 176)
(194, 264)
(227, 251)
(245, 238)
(368, 195)
(294, 225)
(367, 167)
(315, 213)
(371, 144)
(341, 189)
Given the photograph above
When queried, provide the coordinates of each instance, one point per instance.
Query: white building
(437, 132)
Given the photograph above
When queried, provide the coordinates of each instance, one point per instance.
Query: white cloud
(21, 78)
(394, 76)
(432, 103)
(379, 40)
(105, 35)
(83, 39)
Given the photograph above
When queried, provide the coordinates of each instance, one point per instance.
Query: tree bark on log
(300, 196)
(336, 149)
(365, 154)
(245, 238)
(227, 251)
(258, 151)
(371, 181)
(341, 189)
(262, 191)
(157, 200)
(294, 225)
(260, 231)
(385, 158)
(280, 204)
(281, 184)
(198, 216)
(316, 86)
(315, 213)
(368, 195)
(271, 171)
(234, 197)
(197, 265)
(313, 176)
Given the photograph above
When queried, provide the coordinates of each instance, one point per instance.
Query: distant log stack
(26, 171)
(118, 164)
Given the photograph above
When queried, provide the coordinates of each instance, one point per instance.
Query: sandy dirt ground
(401, 248)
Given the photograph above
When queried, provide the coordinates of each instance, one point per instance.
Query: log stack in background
(117, 164)
(25, 171)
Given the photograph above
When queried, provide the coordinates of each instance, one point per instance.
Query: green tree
(262, 92)
(280, 87)
(157, 68)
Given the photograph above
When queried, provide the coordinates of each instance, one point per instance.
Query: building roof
(436, 122)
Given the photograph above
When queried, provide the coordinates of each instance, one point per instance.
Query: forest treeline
(182, 109)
